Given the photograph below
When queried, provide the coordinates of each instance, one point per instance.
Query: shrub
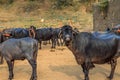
(59, 4)
(6, 1)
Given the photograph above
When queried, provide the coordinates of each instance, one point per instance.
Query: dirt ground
(58, 64)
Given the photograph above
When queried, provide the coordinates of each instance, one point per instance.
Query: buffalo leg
(86, 71)
(53, 43)
(40, 42)
(48, 41)
(113, 66)
(45, 43)
(61, 42)
(34, 73)
(10, 66)
(57, 42)
(1, 60)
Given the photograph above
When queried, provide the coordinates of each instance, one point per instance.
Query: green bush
(30, 6)
(38, 0)
(103, 5)
(6, 1)
(59, 4)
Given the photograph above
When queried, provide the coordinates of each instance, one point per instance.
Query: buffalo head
(67, 33)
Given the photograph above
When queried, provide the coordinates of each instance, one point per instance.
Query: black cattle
(20, 49)
(31, 31)
(18, 33)
(4, 35)
(1, 40)
(58, 37)
(7, 34)
(105, 35)
(1, 59)
(115, 29)
(89, 50)
(44, 34)
(1, 37)
(22, 32)
(76, 29)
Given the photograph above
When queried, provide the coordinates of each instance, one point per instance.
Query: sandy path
(57, 65)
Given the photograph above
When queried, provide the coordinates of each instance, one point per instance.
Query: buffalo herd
(89, 48)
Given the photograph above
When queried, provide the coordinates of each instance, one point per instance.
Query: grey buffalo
(20, 49)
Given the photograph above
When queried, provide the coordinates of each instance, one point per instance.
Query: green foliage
(59, 4)
(30, 6)
(31, 0)
(36, 0)
(103, 4)
(84, 1)
(10, 1)
(6, 1)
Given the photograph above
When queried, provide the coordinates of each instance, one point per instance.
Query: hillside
(22, 13)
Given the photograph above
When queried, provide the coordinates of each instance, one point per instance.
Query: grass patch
(51, 18)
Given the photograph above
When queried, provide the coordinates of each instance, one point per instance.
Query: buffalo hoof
(87, 78)
(52, 50)
(33, 78)
(10, 78)
(53, 47)
(1, 62)
(108, 78)
(58, 44)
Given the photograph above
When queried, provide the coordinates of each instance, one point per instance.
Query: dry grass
(44, 17)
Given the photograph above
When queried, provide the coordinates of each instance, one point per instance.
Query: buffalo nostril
(67, 39)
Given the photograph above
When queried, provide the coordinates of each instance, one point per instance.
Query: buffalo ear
(33, 27)
(75, 32)
(60, 33)
(32, 31)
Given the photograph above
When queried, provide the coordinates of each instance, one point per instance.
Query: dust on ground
(57, 64)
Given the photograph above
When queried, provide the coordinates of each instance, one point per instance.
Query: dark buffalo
(1, 59)
(105, 35)
(115, 29)
(22, 32)
(1, 40)
(18, 33)
(89, 50)
(20, 49)
(76, 29)
(31, 31)
(1, 37)
(44, 34)
(7, 34)
(57, 36)
(4, 35)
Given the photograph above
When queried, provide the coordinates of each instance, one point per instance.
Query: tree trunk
(106, 18)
